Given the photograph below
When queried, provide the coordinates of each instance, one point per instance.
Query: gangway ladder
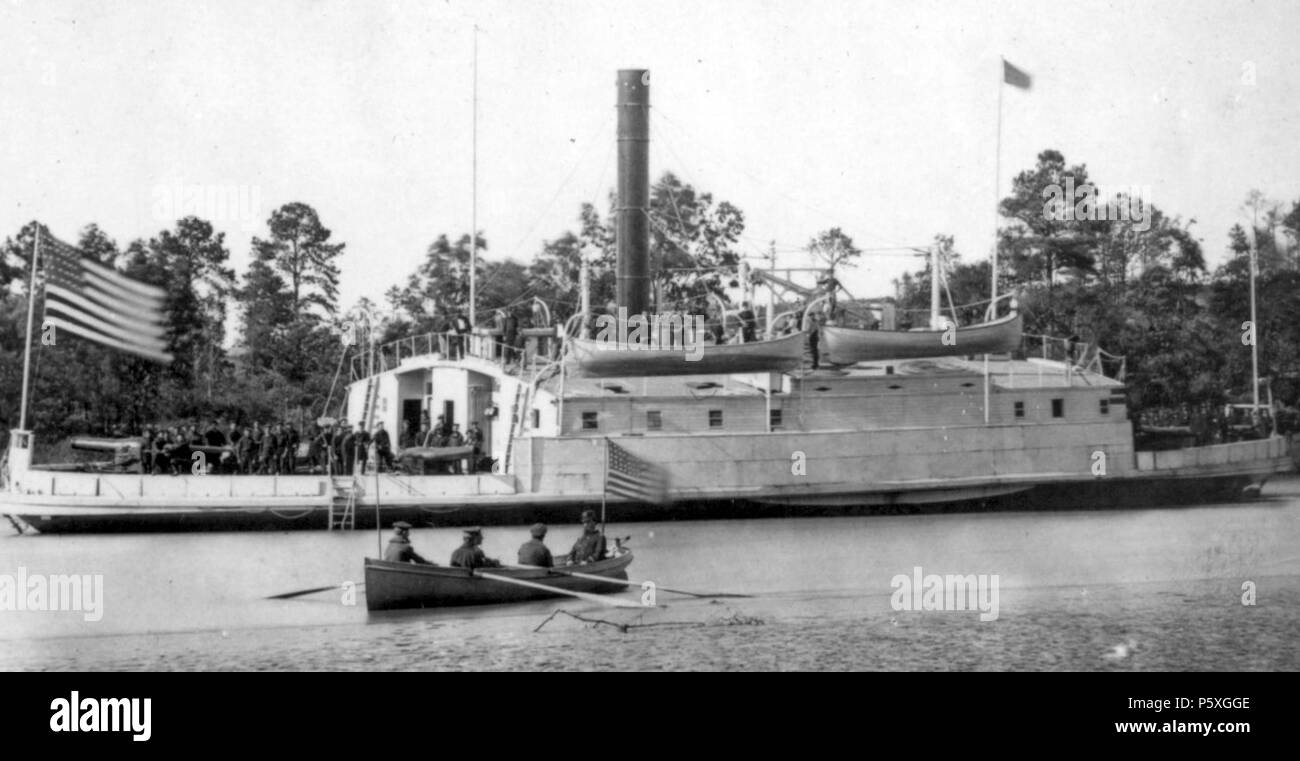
(343, 507)
(372, 395)
(515, 423)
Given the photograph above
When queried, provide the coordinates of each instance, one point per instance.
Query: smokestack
(633, 290)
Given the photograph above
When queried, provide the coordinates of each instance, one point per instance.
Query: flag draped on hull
(101, 304)
(629, 476)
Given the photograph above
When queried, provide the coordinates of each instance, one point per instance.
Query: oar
(628, 583)
(313, 590)
(614, 601)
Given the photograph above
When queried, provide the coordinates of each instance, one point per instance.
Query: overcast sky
(880, 118)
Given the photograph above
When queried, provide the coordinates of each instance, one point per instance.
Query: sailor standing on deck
(383, 447)
(474, 439)
(470, 555)
(399, 547)
(534, 551)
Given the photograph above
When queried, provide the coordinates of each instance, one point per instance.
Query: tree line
(264, 345)
(1142, 289)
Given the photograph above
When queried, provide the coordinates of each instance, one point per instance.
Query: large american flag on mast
(101, 304)
(629, 476)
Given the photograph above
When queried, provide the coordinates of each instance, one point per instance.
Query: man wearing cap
(383, 447)
(534, 551)
(399, 547)
(470, 555)
(590, 547)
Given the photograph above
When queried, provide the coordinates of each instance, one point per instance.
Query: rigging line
(576, 166)
(600, 179)
(690, 179)
(667, 234)
(659, 113)
(668, 143)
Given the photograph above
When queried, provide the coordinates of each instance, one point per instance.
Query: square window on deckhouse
(715, 418)
(589, 421)
(1104, 406)
(1058, 408)
(653, 420)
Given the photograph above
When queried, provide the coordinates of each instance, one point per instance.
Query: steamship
(895, 423)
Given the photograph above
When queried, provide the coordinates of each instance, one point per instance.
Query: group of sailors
(589, 548)
(281, 449)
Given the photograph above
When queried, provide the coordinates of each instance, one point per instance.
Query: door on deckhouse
(480, 399)
(411, 409)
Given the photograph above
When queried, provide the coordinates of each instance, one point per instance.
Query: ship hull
(1175, 487)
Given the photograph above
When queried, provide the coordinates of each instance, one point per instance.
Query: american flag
(630, 476)
(99, 303)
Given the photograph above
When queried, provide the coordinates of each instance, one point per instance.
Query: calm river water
(1158, 589)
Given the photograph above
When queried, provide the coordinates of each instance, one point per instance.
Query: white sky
(879, 118)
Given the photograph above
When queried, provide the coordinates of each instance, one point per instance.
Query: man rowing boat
(470, 555)
(590, 547)
(534, 551)
(399, 547)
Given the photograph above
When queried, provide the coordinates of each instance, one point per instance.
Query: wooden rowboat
(601, 360)
(390, 586)
(845, 346)
(425, 460)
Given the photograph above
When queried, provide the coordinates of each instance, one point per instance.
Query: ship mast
(473, 225)
(31, 311)
(934, 287)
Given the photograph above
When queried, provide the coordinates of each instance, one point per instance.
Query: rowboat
(608, 360)
(438, 454)
(846, 346)
(390, 586)
(430, 459)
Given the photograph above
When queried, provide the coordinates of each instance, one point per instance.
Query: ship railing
(1077, 356)
(483, 344)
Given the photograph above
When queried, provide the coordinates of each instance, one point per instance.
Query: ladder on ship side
(343, 507)
(517, 414)
(372, 394)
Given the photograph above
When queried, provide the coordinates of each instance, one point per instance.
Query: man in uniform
(474, 439)
(399, 547)
(534, 551)
(457, 439)
(289, 450)
(383, 447)
(244, 451)
(146, 450)
(267, 463)
(470, 555)
(814, 340)
(590, 547)
(510, 337)
(361, 445)
(341, 431)
(461, 326)
(748, 323)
